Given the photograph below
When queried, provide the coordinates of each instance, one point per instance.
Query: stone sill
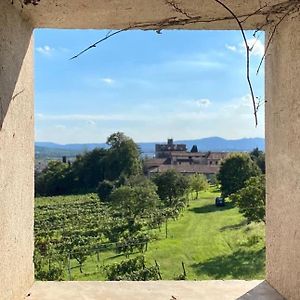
(153, 290)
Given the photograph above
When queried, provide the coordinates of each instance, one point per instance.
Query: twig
(247, 57)
(169, 22)
(254, 13)
(279, 8)
(260, 102)
(270, 39)
(109, 35)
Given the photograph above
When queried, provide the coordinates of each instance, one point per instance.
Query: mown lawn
(213, 243)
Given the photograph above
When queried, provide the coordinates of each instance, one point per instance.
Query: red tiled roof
(187, 168)
(154, 162)
(188, 154)
(217, 155)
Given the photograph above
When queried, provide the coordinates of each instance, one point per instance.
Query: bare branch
(247, 58)
(108, 35)
(166, 23)
(270, 39)
(286, 7)
(254, 13)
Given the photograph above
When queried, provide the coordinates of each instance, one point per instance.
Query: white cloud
(108, 81)
(229, 119)
(240, 106)
(45, 50)
(231, 48)
(257, 47)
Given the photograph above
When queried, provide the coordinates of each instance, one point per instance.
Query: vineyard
(80, 238)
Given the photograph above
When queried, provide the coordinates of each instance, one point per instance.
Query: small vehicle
(220, 202)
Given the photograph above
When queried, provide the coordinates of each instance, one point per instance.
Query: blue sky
(179, 84)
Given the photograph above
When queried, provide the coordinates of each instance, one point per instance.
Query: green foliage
(234, 172)
(133, 269)
(183, 275)
(123, 157)
(48, 269)
(171, 187)
(134, 202)
(213, 180)
(88, 169)
(56, 273)
(198, 183)
(54, 180)
(251, 199)
(128, 243)
(104, 190)
(259, 158)
(120, 161)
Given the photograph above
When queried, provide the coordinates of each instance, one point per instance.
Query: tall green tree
(123, 159)
(234, 172)
(198, 183)
(251, 199)
(171, 187)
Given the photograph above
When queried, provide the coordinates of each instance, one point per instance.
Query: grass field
(213, 243)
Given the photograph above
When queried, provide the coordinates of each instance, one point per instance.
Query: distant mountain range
(48, 149)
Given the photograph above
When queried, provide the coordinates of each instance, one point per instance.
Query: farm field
(213, 243)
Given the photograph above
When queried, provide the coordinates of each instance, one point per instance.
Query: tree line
(102, 170)
(241, 177)
(120, 160)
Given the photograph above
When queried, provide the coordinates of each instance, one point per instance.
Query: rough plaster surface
(16, 154)
(283, 163)
(154, 290)
(120, 14)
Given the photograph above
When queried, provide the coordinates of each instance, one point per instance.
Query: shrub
(251, 199)
(104, 190)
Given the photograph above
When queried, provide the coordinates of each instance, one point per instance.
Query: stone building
(163, 150)
(175, 156)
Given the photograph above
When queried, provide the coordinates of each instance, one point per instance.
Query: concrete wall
(16, 154)
(119, 14)
(283, 161)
